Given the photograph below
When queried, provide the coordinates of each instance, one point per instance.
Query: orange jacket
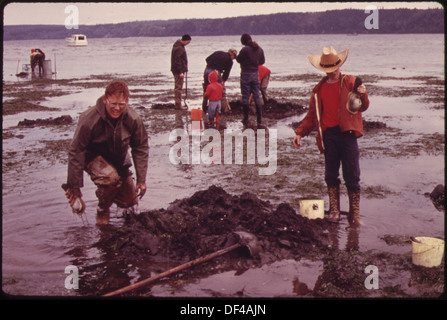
(347, 120)
(263, 72)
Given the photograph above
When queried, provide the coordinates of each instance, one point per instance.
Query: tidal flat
(400, 162)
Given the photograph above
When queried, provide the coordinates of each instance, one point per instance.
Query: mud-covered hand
(141, 189)
(74, 197)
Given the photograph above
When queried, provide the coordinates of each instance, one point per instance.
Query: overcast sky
(115, 12)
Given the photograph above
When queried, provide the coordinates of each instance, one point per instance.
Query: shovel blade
(250, 241)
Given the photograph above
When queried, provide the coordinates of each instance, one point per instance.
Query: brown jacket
(347, 121)
(179, 58)
(95, 135)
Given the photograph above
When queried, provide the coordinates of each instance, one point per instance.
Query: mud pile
(437, 196)
(273, 109)
(62, 120)
(204, 223)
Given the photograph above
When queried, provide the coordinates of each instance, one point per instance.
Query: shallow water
(39, 230)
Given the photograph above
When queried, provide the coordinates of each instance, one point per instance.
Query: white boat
(77, 40)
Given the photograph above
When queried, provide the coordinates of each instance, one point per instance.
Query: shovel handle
(173, 270)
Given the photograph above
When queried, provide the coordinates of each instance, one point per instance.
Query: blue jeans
(213, 108)
(250, 84)
(341, 147)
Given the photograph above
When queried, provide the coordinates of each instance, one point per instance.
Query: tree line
(346, 21)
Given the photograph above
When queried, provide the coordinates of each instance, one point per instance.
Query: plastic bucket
(428, 251)
(196, 114)
(312, 209)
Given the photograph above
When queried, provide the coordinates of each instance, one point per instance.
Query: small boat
(77, 40)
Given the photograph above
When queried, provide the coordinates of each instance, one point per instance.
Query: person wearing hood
(250, 58)
(214, 93)
(338, 120)
(179, 68)
(100, 147)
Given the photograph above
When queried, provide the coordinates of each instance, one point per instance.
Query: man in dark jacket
(100, 147)
(222, 62)
(179, 66)
(250, 58)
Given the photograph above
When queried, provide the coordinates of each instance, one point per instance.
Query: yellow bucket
(312, 209)
(196, 114)
(427, 252)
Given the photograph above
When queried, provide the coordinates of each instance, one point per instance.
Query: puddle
(285, 278)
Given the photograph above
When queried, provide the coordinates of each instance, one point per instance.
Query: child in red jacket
(214, 93)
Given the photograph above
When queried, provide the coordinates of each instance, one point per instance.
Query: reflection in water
(100, 268)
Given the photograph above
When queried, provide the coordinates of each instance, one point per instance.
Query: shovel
(245, 240)
(186, 90)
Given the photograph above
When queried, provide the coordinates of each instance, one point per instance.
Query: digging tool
(320, 132)
(186, 90)
(245, 240)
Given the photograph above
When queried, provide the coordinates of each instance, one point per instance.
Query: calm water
(37, 235)
(285, 55)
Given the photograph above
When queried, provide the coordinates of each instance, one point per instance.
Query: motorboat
(77, 40)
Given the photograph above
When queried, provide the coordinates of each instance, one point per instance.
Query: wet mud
(142, 245)
(437, 196)
(272, 109)
(206, 222)
(62, 120)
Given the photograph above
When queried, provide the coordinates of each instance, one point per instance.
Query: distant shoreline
(347, 21)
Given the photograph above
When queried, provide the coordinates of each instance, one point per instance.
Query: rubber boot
(334, 204)
(259, 117)
(354, 208)
(245, 109)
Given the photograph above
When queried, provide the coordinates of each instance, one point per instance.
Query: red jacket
(263, 72)
(347, 120)
(214, 90)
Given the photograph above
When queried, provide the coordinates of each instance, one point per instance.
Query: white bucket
(428, 252)
(312, 209)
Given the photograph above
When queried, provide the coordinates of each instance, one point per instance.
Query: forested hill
(328, 22)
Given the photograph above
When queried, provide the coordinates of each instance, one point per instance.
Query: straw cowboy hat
(329, 61)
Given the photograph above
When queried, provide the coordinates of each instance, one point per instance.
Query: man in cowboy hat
(338, 128)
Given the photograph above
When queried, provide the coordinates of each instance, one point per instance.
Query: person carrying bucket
(214, 93)
(338, 125)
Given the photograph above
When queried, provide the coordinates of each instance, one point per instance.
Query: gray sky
(115, 12)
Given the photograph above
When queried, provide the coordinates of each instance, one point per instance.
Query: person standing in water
(338, 128)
